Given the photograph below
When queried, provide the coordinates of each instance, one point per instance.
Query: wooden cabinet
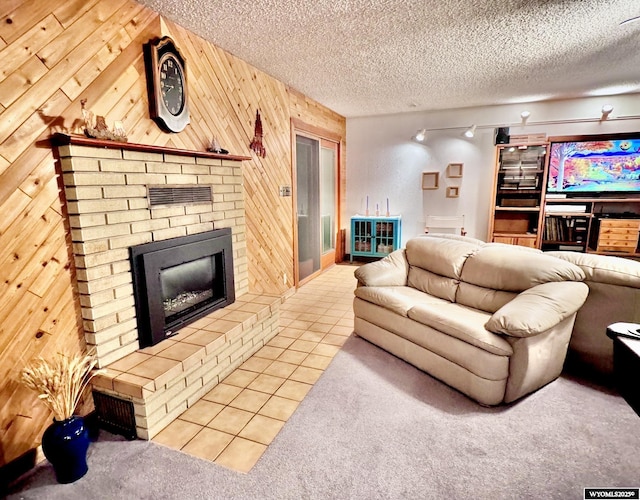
(597, 225)
(518, 194)
(374, 236)
(523, 241)
(618, 235)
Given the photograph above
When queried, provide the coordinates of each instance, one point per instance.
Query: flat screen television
(595, 165)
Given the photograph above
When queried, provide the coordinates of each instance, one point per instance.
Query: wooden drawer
(627, 235)
(620, 223)
(628, 247)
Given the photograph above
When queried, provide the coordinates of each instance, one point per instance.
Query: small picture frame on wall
(430, 180)
(453, 192)
(454, 170)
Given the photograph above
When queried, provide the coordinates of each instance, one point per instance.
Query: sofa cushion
(390, 271)
(502, 268)
(478, 361)
(439, 255)
(462, 323)
(398, 299)
(432, 284)
(604, 268)
(538, 309)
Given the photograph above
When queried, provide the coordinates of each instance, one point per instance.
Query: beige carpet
(375, 427)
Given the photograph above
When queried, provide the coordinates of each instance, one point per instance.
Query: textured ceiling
(373, 57)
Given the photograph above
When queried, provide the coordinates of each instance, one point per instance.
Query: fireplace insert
(180, 280)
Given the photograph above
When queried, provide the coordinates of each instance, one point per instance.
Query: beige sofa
(614, 296)
(488, 319)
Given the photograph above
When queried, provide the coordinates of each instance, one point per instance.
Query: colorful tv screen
(596, 166)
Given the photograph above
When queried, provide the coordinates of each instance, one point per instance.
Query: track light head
(420, 135)
(606, 111)
(470, 132)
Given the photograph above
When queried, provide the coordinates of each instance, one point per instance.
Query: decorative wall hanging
(96, 126)
(453, 192)
(215, 147)
(256, 143)
(454, 170)
(430, 180)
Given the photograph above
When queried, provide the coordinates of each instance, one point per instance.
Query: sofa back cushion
(604, 268)
(439, 255)
(495, 274)
(512, 270)
(435, 264)
(433, 284)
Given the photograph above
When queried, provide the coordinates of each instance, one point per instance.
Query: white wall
(383, 162)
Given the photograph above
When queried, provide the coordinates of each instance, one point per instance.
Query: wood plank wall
(56, 53)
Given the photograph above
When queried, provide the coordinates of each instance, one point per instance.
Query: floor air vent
(115, 415)
(179, 195)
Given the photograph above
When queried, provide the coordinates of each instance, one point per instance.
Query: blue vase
(65, 444)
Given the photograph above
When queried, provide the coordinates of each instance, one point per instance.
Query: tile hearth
(233, 424)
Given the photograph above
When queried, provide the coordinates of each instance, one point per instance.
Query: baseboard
(12, 471)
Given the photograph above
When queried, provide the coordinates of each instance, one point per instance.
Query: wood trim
(78, 140)
(320, 132)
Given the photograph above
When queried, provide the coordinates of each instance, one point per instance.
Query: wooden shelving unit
(518, 194)
(608, 226)
(522, 213)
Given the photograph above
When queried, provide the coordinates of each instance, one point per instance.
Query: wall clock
(167, 84)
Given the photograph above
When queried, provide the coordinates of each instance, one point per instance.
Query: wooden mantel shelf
(64, 139)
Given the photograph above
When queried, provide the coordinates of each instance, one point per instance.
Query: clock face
(172, 84)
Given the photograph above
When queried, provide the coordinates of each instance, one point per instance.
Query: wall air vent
(183, 195)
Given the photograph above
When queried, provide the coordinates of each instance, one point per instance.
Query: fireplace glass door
(190, 286)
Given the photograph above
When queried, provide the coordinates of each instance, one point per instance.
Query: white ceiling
(374, 57)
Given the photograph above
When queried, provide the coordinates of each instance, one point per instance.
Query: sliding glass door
(308, 205)
(328, 200)
(316, 198)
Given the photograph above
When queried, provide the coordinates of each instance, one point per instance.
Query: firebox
(180, 280)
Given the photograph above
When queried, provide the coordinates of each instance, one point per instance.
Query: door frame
(299, 127)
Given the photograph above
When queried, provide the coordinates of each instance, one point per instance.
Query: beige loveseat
(488, 319)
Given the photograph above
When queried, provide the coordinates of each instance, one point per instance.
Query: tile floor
(234, 423)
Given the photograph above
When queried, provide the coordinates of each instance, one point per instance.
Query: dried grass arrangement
(61, 381)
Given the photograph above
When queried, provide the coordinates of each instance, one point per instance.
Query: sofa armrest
(538, 309)
(390, 271)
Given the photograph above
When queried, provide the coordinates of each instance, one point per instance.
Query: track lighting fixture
(525, 115)
(606, 111)
(470, 132)
(420, 135)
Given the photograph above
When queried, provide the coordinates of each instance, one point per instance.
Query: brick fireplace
(121, 195)
(109, 211)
